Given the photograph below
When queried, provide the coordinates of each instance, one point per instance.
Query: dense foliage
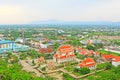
(111, 74)
(91, 47)
(82, 70)
(14, 72)
(104, 66)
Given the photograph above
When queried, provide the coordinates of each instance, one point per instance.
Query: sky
(25, 11)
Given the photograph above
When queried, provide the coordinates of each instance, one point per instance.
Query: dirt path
(57, 75)
(78, 77)
(27, 67)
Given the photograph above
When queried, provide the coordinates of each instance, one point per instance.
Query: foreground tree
(84, 70)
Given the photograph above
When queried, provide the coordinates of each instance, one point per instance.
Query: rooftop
(116, 59)
(5, 41)
(87, 62)
(108, 56)
(65, 49)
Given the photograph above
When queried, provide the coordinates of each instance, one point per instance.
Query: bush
(84, 70)
(108, 66)
(44, 69)
(91, 47)
(104, 66)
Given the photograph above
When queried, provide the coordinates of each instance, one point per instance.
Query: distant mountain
(75, 22)
(47, 22)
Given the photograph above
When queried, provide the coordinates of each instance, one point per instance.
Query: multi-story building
(6, 46)
(64, 53)
(9, 46)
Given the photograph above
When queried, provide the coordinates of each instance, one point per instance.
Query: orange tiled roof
(116, 59)
(65, 48)
(45, 50)
(51, 63)
(42, 59)
(64, 56)
(108, 56)
(64, 51)
(87, 62)
(86, 52)
(78, 49)
(96, 53)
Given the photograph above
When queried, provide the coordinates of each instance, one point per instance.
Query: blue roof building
(9, 46)
(6, 46)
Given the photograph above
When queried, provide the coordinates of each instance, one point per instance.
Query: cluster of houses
(87, 52)
(91, 41)
(114, 48)
(44, 48)
(65, 53)
(107, 37)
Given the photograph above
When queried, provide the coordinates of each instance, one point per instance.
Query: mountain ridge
(73, 22)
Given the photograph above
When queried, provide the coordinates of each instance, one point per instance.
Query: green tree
(56, 45)
(91, 47)
(84, 70)
(104, 66)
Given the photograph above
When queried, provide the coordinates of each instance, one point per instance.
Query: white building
(116, 61)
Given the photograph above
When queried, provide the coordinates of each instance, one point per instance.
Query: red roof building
(64, 53)
(42, 60)
(88, 63)
(97, 53)
(45, 50)
(108, 57)
(87, 52)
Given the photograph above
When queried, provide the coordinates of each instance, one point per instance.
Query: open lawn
(108, 52)
(111, 74)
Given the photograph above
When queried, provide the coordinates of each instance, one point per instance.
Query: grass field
(108, 52)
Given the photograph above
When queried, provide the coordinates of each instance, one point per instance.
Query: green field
(108, 52)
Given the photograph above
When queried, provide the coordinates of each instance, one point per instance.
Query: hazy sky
(24, 11)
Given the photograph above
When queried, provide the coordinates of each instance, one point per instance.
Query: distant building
(87, 52)
(64, 53)
(107, 37)
(43, 45)
(6, 46)
(20, 40)
(43, 48)
(88, 63)
(9, 46)
(95, 41)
